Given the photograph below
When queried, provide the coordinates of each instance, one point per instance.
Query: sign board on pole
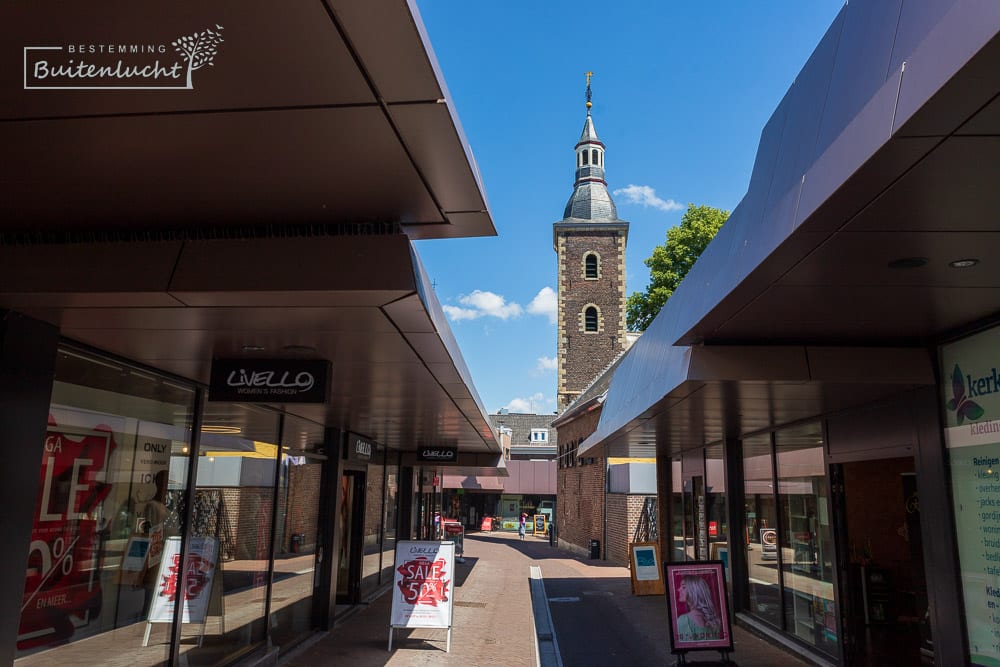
(539, 525)
(423, 586)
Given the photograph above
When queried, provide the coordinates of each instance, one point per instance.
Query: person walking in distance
(522, 525)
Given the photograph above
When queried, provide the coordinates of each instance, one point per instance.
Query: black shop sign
(269, 380)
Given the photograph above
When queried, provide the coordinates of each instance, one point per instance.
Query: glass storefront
(761, 519)
(112, 515)
(109, 510)
(297, 534)
(790, 556)
(806, 538)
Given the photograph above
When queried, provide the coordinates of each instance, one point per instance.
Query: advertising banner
(971, 404)
(698, 607)
(201, 566)
(62, 587)
(422, 590)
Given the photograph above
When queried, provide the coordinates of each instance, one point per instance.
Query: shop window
(110, 513)
(761, 516)
(298, 531)
(807, 538)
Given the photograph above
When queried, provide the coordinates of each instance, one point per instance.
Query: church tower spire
(590, 244)
(590, 199)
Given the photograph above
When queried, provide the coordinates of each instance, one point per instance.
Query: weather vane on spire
(589, 104)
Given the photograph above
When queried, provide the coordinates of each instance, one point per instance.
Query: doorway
(350, 524)
(880, 551)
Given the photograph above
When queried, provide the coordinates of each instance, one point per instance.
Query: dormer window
(539, 436)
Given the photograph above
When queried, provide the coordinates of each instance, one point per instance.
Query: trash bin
(297, 540)
(595, 549)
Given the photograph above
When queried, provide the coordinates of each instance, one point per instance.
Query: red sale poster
(62, 589)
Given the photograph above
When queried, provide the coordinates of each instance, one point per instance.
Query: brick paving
(494, 623)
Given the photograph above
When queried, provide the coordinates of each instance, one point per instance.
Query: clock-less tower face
(590, 245)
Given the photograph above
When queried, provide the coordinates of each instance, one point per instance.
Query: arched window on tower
(590, 266)
(585, 157)
(590, 320)
(594, 156)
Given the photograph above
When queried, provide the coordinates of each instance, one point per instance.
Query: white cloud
(530, 405)
(547, 364)
(645, 195)
(545, 303)
(482, 304)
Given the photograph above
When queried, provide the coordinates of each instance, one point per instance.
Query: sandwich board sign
(423, 586)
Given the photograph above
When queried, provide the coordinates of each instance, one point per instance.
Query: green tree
(671, 261)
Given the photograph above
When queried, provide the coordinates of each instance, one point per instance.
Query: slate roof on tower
(590, 199)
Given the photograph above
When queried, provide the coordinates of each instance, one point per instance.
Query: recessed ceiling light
(963, 263)
(908, 263)
(253, 348)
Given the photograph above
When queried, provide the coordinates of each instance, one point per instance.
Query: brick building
(590, 244)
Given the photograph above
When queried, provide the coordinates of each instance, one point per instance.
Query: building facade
(220, 417)
(819, 392)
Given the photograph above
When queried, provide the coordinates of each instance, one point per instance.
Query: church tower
(590, 244)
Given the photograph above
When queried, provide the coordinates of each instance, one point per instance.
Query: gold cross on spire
(589, 74)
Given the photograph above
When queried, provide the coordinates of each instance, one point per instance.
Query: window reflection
(762, 529)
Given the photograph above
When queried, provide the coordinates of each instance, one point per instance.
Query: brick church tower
(590, 244)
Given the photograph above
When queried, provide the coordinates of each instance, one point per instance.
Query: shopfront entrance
(881, 564)
(350, 526)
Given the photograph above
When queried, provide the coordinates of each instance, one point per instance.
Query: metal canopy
(884, 152)
(320, 124)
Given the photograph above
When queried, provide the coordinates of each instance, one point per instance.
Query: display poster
(769, 544)
(539, 524)
(423, 585)
(62, 588)
(698, 607)
(201, 566)
(971, 401)
(645, 562)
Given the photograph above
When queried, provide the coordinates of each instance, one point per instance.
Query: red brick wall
(579, 489)
(624, 512)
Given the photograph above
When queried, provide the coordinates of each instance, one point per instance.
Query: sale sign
(62, 589)
(423, 587)
(201, 565)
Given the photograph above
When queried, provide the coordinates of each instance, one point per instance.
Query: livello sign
(269, 380)
(437, 454)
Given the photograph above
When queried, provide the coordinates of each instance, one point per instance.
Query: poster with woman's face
(699, 612)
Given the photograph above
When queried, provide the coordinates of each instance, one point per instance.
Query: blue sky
(681, 91)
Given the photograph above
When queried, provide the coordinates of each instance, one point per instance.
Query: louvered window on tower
(585, 154)
(594, 158)
(590, 266)
(590, 319)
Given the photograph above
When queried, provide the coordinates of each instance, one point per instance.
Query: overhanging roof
(321, 112)
(887, 146)
(268, 211)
